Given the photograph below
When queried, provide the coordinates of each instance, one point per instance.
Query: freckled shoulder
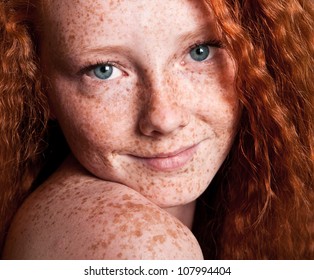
(76, 216)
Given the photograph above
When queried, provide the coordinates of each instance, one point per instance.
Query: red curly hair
(260, 204)
(23, 110)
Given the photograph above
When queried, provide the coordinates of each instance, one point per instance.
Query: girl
(189, 125)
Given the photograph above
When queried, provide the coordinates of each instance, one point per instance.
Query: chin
(174, 195)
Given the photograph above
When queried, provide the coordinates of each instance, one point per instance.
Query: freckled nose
(162, 116)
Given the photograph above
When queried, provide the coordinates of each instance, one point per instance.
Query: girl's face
(143, 92)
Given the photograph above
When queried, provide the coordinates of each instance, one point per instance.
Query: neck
(184, 213)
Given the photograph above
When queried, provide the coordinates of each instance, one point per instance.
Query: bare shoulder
(81, 217)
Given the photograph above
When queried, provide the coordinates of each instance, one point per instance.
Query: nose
(163, 113)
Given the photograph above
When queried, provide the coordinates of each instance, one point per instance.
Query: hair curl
(23, 109)
(260, 204)
(265, 203)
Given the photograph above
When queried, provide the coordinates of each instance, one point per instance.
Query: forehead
(117, 20)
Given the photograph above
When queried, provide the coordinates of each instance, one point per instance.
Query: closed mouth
(169, 161)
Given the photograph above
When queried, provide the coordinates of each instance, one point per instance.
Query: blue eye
(105, 71)
(201, 52)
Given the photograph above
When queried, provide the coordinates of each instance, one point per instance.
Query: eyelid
(89, 66)
(212, 43)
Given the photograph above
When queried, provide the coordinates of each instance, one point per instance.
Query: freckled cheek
(210, 95)
(95, 118)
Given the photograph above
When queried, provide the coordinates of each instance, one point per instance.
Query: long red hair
(264, 203)
(23, 109)
(260, 204)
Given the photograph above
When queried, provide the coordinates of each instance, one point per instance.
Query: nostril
(163, 120)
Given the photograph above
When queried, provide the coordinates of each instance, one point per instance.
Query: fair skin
(147, 138)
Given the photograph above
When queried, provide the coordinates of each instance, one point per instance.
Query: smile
(169, 161)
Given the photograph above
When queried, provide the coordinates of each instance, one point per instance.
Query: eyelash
(89, 66)
(211, 43)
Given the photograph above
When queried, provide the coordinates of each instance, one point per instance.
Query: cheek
(214, 101)
(89, 120)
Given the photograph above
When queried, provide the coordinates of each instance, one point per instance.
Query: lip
(165, 162)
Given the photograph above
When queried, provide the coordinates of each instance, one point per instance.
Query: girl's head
(144, 98)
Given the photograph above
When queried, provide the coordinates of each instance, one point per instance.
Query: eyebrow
(105, 49)
(208, 29)
(205, 29)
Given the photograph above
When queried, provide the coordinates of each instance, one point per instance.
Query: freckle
(126, 197)
(38, 206)
(172, 233)
(159, 238)
(49, 201)
(124, 228)
(138, 233)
